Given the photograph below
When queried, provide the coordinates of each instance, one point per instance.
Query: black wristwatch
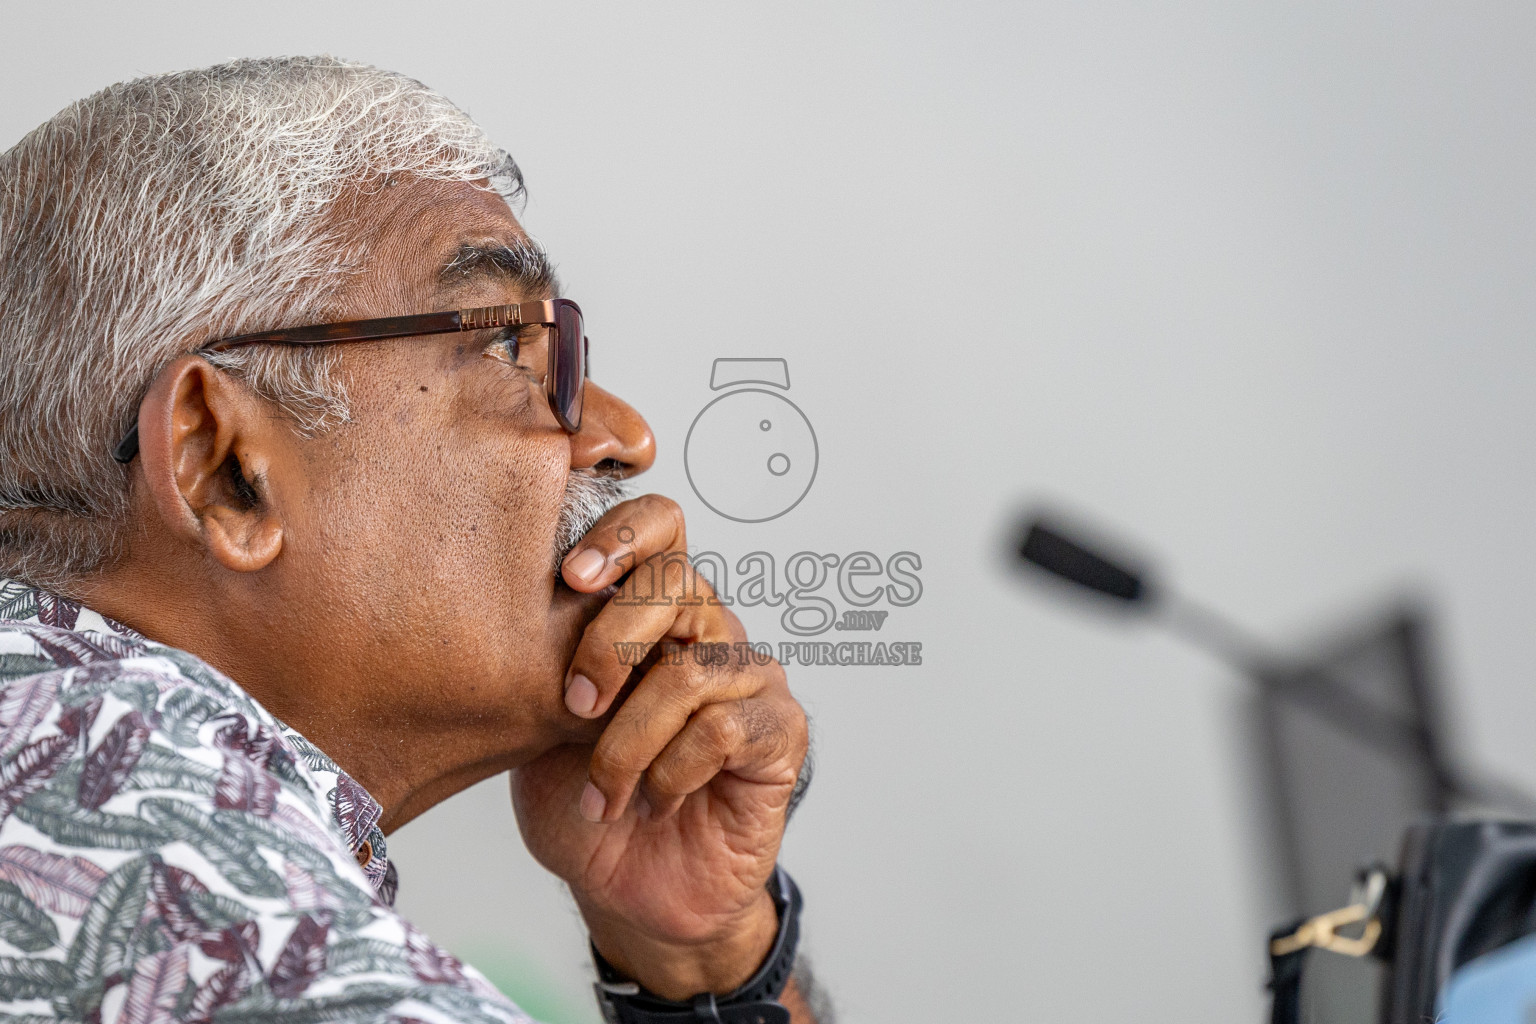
(756, 1002)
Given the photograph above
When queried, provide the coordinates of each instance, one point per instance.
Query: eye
(517, 347)
(507, 345)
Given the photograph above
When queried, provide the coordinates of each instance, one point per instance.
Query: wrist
(679, 968)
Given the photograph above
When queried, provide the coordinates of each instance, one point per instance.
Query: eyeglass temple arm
(477, 319)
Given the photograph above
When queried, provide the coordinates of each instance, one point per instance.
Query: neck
(329, 689)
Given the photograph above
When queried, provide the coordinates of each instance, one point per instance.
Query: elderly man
(309, 520)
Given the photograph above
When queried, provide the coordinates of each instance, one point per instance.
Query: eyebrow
(523, 265)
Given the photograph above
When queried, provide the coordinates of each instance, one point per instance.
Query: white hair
(588, 498)
(166, 211)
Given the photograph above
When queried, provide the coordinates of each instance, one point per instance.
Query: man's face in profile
(435, 514)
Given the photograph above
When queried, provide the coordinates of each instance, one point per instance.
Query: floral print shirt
(171, 853)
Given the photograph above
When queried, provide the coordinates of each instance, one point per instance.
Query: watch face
(751, 455)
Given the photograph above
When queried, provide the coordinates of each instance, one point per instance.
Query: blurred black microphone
(1074, 562)
(1047, 546)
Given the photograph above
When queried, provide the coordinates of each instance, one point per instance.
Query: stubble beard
(587, 499)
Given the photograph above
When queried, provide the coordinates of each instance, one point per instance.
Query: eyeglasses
(564, 379)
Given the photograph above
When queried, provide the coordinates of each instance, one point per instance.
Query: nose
(612, 432)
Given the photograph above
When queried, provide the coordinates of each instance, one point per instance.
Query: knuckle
(700, 587)
(673, 565)
(680, 700)
(671, 509)
(668, 511)
(661, 506)
(723, 728)
(598, 658)
(609, 764)
(668, 779)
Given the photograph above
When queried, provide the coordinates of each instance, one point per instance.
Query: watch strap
(623, 1001)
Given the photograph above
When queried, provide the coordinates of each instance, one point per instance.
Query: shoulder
(84, 686)
(114, 725)
(165, 844)
(110, 744)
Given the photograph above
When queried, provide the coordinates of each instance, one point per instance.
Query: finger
(664, 599)
(761, 741)
(645, 723)
(625, 537)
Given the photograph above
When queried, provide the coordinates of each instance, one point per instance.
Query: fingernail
(587, 564)
(593, 803)
(581, 696)
(642, 805)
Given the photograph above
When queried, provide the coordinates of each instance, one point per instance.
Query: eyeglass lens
(567, 375)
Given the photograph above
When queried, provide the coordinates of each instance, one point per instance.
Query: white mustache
(587, 499)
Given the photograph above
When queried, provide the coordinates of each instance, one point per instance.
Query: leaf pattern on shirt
(164, 768)
(101, 944)
(235, 944)
(241, 864)
(363, 1002)
(170, 892)
(246, 782)
(64, 885)
(428, 960)
(366, 956)
(76, 719)
(30, 770)
(67, 649)
(302, 957)
(30, 977)
(170, 853)
(17, 600)
(224, 986)
(114, 758)
(26, 702)
(356, 811)
(53, 610)
(23, 923)
(156, 986)
(305, 893)
(59, 816)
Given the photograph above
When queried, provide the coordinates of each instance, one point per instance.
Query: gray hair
(162, 212)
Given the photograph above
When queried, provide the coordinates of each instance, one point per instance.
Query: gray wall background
(1252, 284)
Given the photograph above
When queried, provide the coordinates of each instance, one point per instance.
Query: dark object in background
(1057, 553)
(1351, 740)
(1335, 803)
(1466, 889)
(1463, 889)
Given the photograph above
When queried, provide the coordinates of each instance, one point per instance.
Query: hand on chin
(666, 819)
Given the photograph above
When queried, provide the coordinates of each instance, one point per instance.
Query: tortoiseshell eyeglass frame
(564, 379)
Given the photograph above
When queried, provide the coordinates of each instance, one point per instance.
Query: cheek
(432, 523)
(451, 537)
(504, 513)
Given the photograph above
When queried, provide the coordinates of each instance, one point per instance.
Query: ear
(206, 446)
